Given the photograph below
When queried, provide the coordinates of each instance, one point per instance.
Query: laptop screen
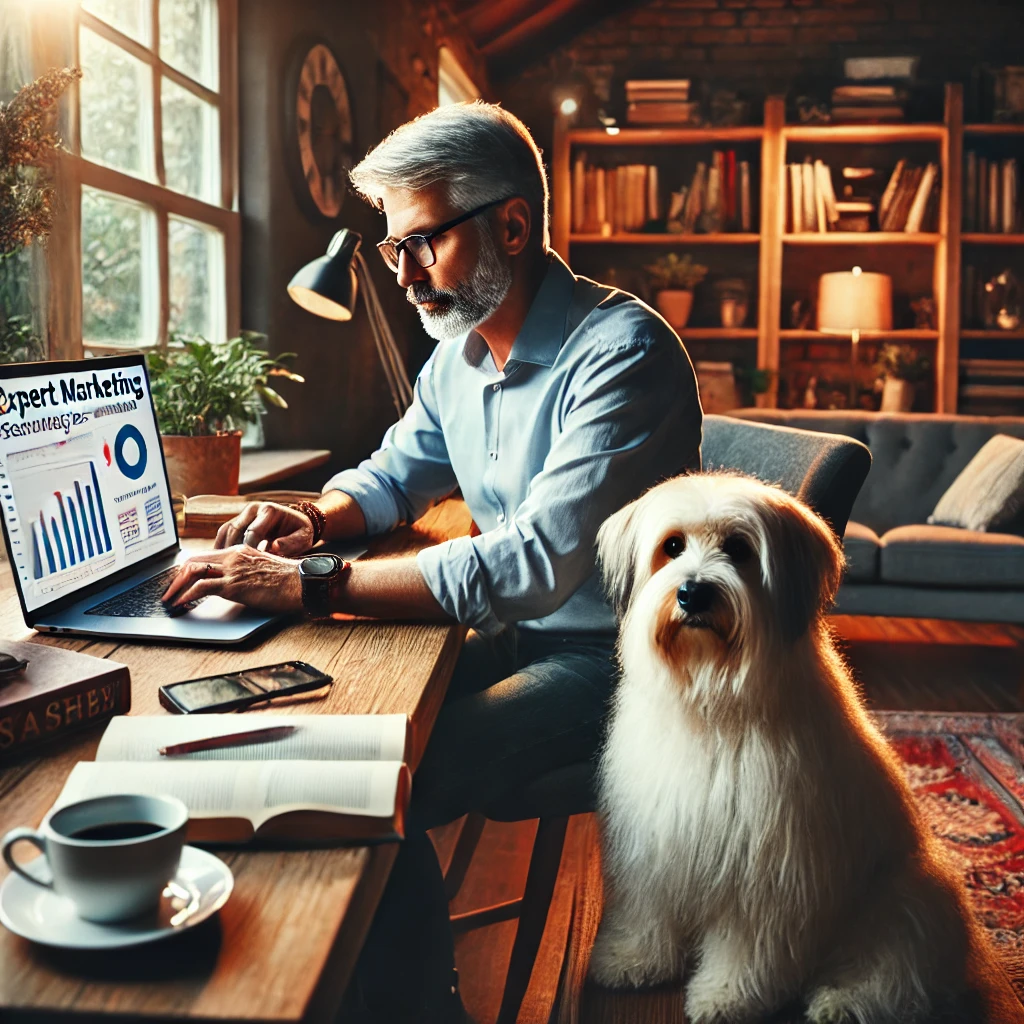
(82, 476)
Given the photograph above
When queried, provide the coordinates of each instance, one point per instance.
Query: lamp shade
(853, 300)
(327, 287)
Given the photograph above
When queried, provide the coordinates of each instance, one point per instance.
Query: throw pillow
(988, 495)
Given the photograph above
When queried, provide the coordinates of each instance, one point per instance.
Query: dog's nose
(695, 597)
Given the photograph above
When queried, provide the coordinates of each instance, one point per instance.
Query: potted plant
(204, 392)
(672, 280)
(901, 368)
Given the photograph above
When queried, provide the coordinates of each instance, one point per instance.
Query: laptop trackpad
(215, 609)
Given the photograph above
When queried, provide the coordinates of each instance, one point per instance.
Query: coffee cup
(111, 855)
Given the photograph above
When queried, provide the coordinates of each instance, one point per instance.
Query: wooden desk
(260, 468)
(286, 941)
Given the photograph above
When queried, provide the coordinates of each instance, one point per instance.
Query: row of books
(610, 200)
(909, 203)
(661, 101)
(991, 387)
(991, 189)
(716, 199)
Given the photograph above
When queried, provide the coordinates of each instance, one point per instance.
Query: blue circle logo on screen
(130, 452)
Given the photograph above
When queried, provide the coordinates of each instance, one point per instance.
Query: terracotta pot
(203, 465)
(897, 395)
(674, 305)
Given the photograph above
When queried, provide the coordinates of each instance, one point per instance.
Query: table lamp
(329, 287)
(852, 302)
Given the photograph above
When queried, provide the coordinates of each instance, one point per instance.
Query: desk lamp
(852, 302)
(329, 287)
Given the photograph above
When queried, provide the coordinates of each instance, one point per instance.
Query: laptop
(87, 513)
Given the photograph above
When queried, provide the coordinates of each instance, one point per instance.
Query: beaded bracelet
(316, 517)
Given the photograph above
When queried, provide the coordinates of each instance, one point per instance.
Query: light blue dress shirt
(597, 402)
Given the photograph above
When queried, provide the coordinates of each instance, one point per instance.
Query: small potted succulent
(672, 279)
(900, 368)
(204, 393)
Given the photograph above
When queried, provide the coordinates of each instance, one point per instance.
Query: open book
(337, 777)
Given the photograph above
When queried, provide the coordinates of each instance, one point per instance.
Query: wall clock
(320, 131)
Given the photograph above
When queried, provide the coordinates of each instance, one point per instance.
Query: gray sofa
(897, 563)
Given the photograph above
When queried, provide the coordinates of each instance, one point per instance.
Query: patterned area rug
(967, 772)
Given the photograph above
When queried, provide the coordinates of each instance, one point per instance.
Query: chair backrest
(824, 470)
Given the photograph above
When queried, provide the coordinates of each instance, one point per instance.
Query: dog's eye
(736, 548)
(674, 546)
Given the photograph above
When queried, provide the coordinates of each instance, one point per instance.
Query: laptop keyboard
(143, 601)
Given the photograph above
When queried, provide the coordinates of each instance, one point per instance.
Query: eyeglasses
(418, 246)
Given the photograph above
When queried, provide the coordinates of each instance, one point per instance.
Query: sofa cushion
(861, 546)
(947, 556)
(989, 492)
(914, 456)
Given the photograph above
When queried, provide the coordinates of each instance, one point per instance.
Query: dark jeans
(519, 705)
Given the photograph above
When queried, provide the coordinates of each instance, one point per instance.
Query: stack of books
(910, 202)
(610, 200)
(868, 103)
(991, 189)
(991, 387)
(661, 101)
(716, 200)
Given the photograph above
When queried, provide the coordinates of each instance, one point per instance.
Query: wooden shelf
(651, 238)
(994, 129)
(664, 136)
(991, 238)
(861, 238)
(713, 333)
(991, 334)
(864, 133)
(906, 334)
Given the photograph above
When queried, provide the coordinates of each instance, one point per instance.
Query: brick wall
(764, 46)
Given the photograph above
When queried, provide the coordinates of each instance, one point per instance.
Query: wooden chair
(824, 470)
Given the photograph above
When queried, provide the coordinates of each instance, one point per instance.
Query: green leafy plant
(902, 362)
(673, 271)
(204, 387)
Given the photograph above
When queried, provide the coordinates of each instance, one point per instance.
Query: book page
(316, 737)
(257, 790)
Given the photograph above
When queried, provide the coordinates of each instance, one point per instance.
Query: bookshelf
(785, 263)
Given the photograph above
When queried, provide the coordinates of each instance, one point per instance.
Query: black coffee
(117, 830)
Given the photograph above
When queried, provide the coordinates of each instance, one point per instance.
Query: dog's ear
(801, 563)
(616, 556)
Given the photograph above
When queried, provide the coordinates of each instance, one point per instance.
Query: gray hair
(477, 151)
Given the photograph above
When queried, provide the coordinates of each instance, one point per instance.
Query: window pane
(130, 16)
(197, 280)
(119, 280)
(116, 106)
(191, 143)
(188, 38)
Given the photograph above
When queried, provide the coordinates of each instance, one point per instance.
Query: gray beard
(471, 302)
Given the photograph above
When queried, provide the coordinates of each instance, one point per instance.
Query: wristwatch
(318, 573)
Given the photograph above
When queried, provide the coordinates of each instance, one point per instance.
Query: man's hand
(286, 530)
(266, 582)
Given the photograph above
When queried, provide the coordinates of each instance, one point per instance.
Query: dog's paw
(712, 1000)
(830, 1006)
(621, 960)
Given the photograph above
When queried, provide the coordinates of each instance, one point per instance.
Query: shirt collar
(540, 338)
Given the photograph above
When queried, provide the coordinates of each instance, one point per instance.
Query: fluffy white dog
(757, 830)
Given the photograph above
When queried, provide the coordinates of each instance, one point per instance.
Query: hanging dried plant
(28, 145)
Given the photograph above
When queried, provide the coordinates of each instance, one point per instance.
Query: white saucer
(200, 888)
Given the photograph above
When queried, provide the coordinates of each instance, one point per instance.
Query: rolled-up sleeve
(411, 469)
(632, 418)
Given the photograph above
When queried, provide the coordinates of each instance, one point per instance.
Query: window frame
(454, 79)
(56, 47)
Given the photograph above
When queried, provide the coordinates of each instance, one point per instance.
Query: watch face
(319, 565)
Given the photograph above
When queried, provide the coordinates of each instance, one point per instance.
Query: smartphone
(234, 691)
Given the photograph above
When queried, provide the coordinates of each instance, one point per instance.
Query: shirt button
(501, 517)
(493, 455)
(497, 387)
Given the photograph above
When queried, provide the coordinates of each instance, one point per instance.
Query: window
(154, 249)
(453, 84)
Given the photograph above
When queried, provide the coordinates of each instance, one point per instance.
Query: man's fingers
(188, 572)
(261, 525)
(234, 529)
(202, 588)
(296, 543)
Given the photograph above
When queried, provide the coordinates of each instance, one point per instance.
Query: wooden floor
(908, 664)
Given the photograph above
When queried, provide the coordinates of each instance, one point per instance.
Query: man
(551, 402)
